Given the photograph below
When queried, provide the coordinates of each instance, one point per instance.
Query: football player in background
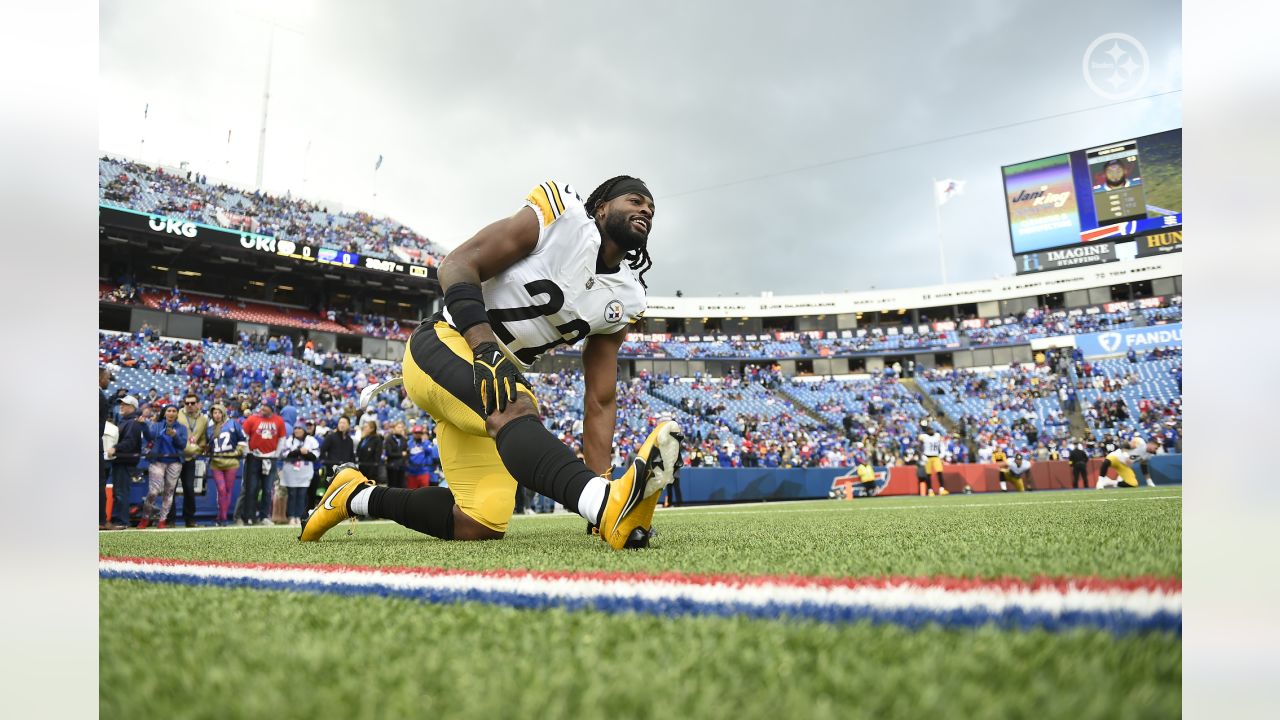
(1123, 460)
(866, 477)
(1016, 473)
(1001, 461)
(931, 458)
(557, 272)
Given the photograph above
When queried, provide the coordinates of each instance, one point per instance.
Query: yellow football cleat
(942, 490)
(627, 517)
(333, 508)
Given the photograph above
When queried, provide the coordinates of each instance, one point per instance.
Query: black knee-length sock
(537, 460)
(428, 510)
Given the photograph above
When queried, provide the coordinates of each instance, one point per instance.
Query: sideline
(774, 507)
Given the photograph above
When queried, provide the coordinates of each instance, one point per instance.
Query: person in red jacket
(266, 432)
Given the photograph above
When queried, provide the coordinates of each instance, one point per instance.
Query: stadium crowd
(282, 412)
(191, 196)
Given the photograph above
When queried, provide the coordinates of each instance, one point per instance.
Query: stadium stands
(757, 419)
(322, 387)
(177, 301)
(1143, 396)
(1015, 408)
(879, 409)
(135, 186)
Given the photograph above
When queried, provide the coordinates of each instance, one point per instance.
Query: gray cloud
(473, 103)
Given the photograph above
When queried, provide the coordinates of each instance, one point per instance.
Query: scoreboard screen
(1116, 191)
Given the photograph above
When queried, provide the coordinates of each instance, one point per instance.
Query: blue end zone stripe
(1117, 622)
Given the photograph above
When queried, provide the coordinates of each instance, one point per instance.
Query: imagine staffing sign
(1066, 257)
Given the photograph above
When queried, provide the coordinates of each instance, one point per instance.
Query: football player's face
(1115, 173)
(628, 220)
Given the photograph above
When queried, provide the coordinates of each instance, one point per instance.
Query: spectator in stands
(383, 412)
(124, 455)
(369, 450)
(265, 431)
(369, 416)
(300, 452)
(104, 467)
(394, 447)
(422, 459)
(673, 497)
(197, 425)
(227, 444)
(168, 439)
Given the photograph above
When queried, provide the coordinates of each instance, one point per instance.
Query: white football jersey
(1129, 456)
(932, 444)
(554, 296)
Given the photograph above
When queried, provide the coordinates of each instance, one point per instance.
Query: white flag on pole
(944, 190)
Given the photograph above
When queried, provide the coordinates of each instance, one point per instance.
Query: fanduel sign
(1119, 342)
(1066, 257)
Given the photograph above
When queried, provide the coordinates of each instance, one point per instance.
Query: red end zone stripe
(1060, 584)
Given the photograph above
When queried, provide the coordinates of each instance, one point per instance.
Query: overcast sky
(788, 144)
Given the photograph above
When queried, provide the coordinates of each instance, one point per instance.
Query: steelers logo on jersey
(613, 312)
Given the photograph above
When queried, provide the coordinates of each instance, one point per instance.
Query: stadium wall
(731, 485)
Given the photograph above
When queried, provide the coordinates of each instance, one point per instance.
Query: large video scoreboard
(1071, 209)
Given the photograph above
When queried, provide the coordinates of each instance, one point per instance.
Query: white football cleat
(371, 391)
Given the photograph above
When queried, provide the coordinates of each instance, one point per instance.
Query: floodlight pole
(266, 99)
(937, 214)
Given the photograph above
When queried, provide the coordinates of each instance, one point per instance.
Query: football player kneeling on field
(560, 271)
(1122, 460)
(1016, 473)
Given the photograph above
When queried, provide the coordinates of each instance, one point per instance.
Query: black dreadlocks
(636, 259)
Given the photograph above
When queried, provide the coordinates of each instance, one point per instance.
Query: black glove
(496, 377)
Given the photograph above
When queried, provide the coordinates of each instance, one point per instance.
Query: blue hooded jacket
(163, 447)
(421, 456)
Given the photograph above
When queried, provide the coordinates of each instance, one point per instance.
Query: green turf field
(212, 652)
